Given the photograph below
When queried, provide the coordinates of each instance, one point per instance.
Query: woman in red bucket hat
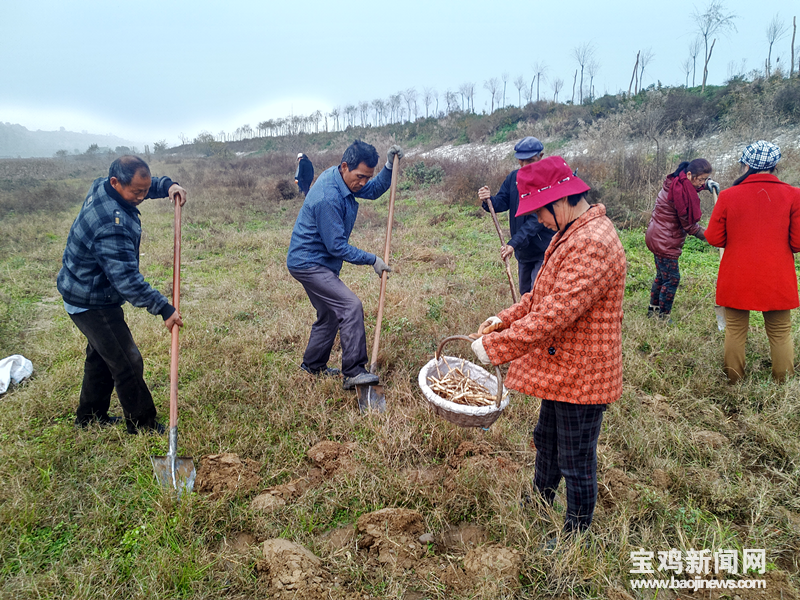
(563, 339)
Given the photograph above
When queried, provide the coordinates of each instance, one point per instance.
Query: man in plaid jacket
(100, 273)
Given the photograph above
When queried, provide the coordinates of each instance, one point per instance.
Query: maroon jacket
(668, 226)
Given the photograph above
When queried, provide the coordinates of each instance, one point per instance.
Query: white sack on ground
(14, 368)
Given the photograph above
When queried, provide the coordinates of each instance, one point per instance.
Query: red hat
(546, 181)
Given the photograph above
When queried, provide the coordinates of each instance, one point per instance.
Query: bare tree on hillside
(556, 85)
(493, 87)
(539, 71)
(709, 22)
(644, 61)
(378, 107)
(350, 112)
(363, 111)
(463, 89)
(776, 30)
(470, 87)
(591, 69)
(686, 68)
(794, 33)
(335, 112)
(427, 99)
(519, 83)
(504, 77)
(410, 97)
(394, 107)
(583, 55)
(694, 51)
(574, 81)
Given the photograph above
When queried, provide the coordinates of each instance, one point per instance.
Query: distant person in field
(305, 173)
(100, 273)
(529, 238)
(564, 338)
(676, 214)
(757, 221)
(319, 247)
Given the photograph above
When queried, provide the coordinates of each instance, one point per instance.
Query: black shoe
(326, 372)
(364, 378)
(103, 421)
(652, 311)
(152, 427)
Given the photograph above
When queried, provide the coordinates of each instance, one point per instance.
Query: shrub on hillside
(285, 189)
(50, 196)
(787, 100)
(463, 178)
(418, 174)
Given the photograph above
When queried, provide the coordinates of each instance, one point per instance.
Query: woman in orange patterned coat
(563, 339)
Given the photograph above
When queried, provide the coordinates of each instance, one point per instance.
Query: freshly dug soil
(221, 474)
(292, 569)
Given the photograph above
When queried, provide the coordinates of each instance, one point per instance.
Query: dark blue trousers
(112, 362)
(527, 274)
(566, 446)
(338, 310)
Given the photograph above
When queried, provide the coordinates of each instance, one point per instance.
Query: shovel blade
(720, 312)
(371, 397)
(181, 479)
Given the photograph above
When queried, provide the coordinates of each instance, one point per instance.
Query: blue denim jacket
(101, 260)
(322, 230)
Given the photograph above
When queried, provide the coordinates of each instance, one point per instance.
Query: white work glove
(712, 186)
(394, 150)
(480, 352)
(491, 324)
(380, 266)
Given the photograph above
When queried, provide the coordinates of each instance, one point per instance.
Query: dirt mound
(339, 539)
(220, 474)
(616, 487)
(391, 536)
(279, 495)
(290, 568)
(712, 439)
(493, 565)
(330, 456)
(462, 537)
(660, 406)
(660, 479)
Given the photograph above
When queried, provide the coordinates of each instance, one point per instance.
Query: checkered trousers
(566, 446)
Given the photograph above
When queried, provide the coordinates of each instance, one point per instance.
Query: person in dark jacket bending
(529, 238)
(100, 273)
(305, 173)
(676, 214)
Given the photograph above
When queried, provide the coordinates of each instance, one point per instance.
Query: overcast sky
(153, 69)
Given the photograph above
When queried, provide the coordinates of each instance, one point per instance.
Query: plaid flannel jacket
(563, 338)
(101, 261)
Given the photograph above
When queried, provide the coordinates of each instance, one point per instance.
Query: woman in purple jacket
(676, 214)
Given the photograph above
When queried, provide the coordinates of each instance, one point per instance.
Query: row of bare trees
(410, 104)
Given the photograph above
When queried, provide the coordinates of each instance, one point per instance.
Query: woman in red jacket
(676, 214)
(757, 221)
(563, 339)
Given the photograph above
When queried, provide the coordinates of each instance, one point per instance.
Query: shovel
(175, 471)
(503, 243)
(719, 311)
(371, 397)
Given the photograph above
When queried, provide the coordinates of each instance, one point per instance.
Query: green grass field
(81, 515)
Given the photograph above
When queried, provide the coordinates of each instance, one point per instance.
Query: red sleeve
(716, 234)
(794, 222)
(683, 195)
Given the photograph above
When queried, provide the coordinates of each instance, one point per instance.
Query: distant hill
(17, 141)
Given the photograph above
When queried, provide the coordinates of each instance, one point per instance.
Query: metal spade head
(173, 471)
(371, 397)
(720, 312)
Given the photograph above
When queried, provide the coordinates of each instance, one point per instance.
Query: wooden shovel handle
(373, 367)
(503, 243)
(176, 299)
(466, 338)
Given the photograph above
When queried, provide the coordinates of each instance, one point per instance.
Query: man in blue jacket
(305, 173)
(529, 238)
(100, 273)
(319, 246)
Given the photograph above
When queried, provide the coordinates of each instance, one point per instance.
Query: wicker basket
(460, 414)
